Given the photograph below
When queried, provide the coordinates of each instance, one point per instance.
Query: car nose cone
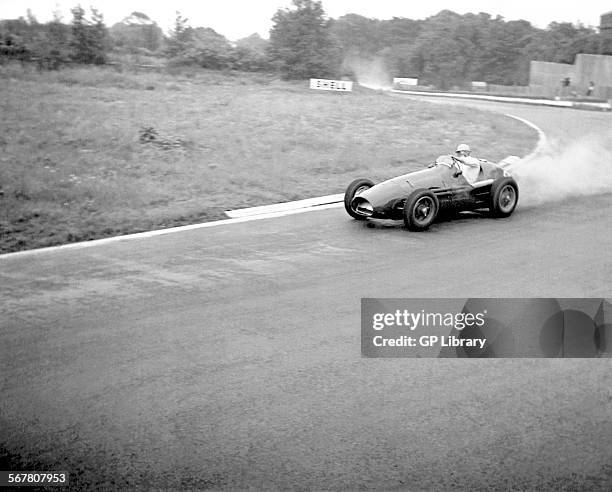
(362, 206)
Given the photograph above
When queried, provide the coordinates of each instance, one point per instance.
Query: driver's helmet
(463, 149)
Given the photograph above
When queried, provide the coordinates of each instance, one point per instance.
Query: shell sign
(331, 85)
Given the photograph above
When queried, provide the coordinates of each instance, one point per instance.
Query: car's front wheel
(356, 187)
(504, 197)
(420, 210)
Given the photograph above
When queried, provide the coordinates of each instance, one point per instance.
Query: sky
(236, 19)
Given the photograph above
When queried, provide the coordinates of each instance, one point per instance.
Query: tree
(16, 39)
(201, 46)
(31, 18)
(208, 49)
(135, 33)
(444, 50)
(178, 41)
(301, 45)
(53, 45)
(89, 41)
(250, 54)
(502, 57)
(399, 31)
(357, 35)
(254, 42)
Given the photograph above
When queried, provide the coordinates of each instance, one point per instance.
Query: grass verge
(91, 152)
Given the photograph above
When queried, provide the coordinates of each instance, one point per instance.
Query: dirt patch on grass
(91, 153)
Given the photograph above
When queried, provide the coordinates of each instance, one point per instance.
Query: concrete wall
(545, 77)
(597, 68)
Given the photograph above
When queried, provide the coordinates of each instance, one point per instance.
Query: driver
(470, 166)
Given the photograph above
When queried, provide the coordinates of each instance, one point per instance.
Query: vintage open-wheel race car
(419, 197)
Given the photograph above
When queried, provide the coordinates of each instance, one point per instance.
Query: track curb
(517, 100)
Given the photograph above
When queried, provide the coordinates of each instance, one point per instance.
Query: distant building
(605, 25)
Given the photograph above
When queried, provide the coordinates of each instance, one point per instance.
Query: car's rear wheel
(504, 197)
(356, 187)
(420, 210)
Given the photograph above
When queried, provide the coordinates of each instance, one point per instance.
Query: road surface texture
(229, 357)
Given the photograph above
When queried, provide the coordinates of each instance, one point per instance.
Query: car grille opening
(363, 207)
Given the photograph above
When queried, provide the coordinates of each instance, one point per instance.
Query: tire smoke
(560, 170)
(370, 73)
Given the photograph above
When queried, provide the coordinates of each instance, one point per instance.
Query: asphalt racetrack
(229, 357)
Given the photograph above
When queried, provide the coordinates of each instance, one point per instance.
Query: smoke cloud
(370, 73)
(560, 170)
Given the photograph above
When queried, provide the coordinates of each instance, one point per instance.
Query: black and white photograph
(311, 245)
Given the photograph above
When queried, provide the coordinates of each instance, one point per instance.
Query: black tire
(420, 210)
(355, 187)
(504, 197)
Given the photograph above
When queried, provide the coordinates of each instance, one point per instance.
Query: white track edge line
(279, 207)
(161, 232)
(541, 136)
(521, 100)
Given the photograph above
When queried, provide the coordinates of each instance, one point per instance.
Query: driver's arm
(469, 161)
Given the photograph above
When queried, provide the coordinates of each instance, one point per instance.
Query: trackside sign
(405, 81)
(331, 85)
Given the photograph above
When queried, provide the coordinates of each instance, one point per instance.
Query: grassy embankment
(74, 165)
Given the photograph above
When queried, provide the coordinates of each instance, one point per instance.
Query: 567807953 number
(32, 478)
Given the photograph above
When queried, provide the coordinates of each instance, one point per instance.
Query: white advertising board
(331, 85)
(405, 81)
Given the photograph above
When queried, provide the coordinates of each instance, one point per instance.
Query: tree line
(452, 49)
(54, 43)
(442, 50)
(86, 39)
